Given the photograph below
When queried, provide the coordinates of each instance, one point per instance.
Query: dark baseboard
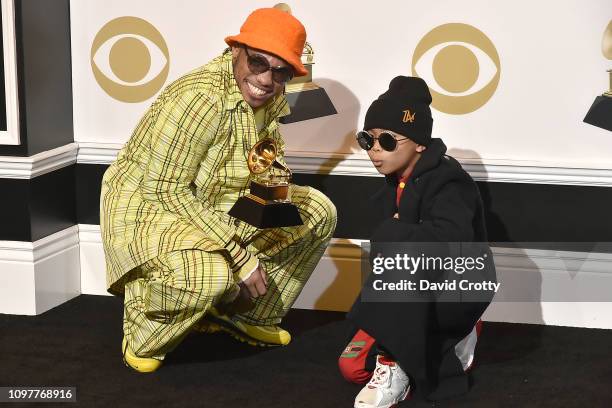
(31, 209)
(515, 212)
(540, 215)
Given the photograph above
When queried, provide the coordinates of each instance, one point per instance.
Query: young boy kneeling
(427, 343)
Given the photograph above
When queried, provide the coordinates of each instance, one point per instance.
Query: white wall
(531, 129)
(551, 70)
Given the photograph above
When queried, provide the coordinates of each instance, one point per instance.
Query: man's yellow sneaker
(140, 364)
(206, 327)
(263, 336)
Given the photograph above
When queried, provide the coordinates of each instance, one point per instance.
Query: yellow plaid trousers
(172, 291)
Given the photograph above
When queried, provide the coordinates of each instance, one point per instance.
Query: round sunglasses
(386, 140)
(258, 64)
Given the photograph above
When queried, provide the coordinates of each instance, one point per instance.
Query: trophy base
(600, 114)
(308, 104)
(266, 215)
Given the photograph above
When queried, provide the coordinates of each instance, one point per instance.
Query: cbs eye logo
(461, 66)
(130, 59)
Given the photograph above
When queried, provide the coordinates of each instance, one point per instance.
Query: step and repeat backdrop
(511, 81)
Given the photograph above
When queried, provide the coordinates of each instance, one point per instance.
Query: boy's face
(399, 161)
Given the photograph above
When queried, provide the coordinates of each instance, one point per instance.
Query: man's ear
(235, 51)
(420, 148)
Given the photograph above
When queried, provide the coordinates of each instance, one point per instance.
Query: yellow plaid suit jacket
(183, 168)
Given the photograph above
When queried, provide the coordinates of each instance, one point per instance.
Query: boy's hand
(396, 215)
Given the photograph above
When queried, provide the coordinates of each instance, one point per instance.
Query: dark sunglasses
(258, 64)
(386, 140)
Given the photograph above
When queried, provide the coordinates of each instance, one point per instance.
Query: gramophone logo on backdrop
(130, 59)
(460, 65)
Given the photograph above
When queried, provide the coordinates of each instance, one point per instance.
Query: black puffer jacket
(440, 204)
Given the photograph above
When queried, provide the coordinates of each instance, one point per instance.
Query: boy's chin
(383, 171)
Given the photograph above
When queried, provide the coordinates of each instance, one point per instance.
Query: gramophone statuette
(267, 205)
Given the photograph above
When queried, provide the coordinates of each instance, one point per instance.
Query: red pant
(352, 361)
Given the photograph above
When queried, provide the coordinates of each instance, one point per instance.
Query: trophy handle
(280, 166)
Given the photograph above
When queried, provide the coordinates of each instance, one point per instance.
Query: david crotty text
(424, 284)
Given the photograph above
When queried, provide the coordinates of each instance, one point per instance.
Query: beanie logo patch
(408, 117)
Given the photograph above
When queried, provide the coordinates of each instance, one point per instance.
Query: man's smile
(256, 91)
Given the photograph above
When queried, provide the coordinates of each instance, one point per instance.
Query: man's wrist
(247, 269)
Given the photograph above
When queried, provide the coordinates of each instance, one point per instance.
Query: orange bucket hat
(274, 31)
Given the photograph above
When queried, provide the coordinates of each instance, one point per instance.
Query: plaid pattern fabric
(289, 254)
(169, 243)
(181, 171)
(170, 293)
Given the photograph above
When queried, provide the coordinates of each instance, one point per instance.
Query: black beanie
(404, 109)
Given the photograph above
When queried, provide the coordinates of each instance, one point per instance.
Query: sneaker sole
(143, 366)
(236, 334)
(406, 396)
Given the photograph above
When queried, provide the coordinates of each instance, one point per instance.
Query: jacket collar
(430, 159)
(276, 108)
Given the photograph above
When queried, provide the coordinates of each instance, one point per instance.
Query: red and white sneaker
(466, 348)
(388, 386)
